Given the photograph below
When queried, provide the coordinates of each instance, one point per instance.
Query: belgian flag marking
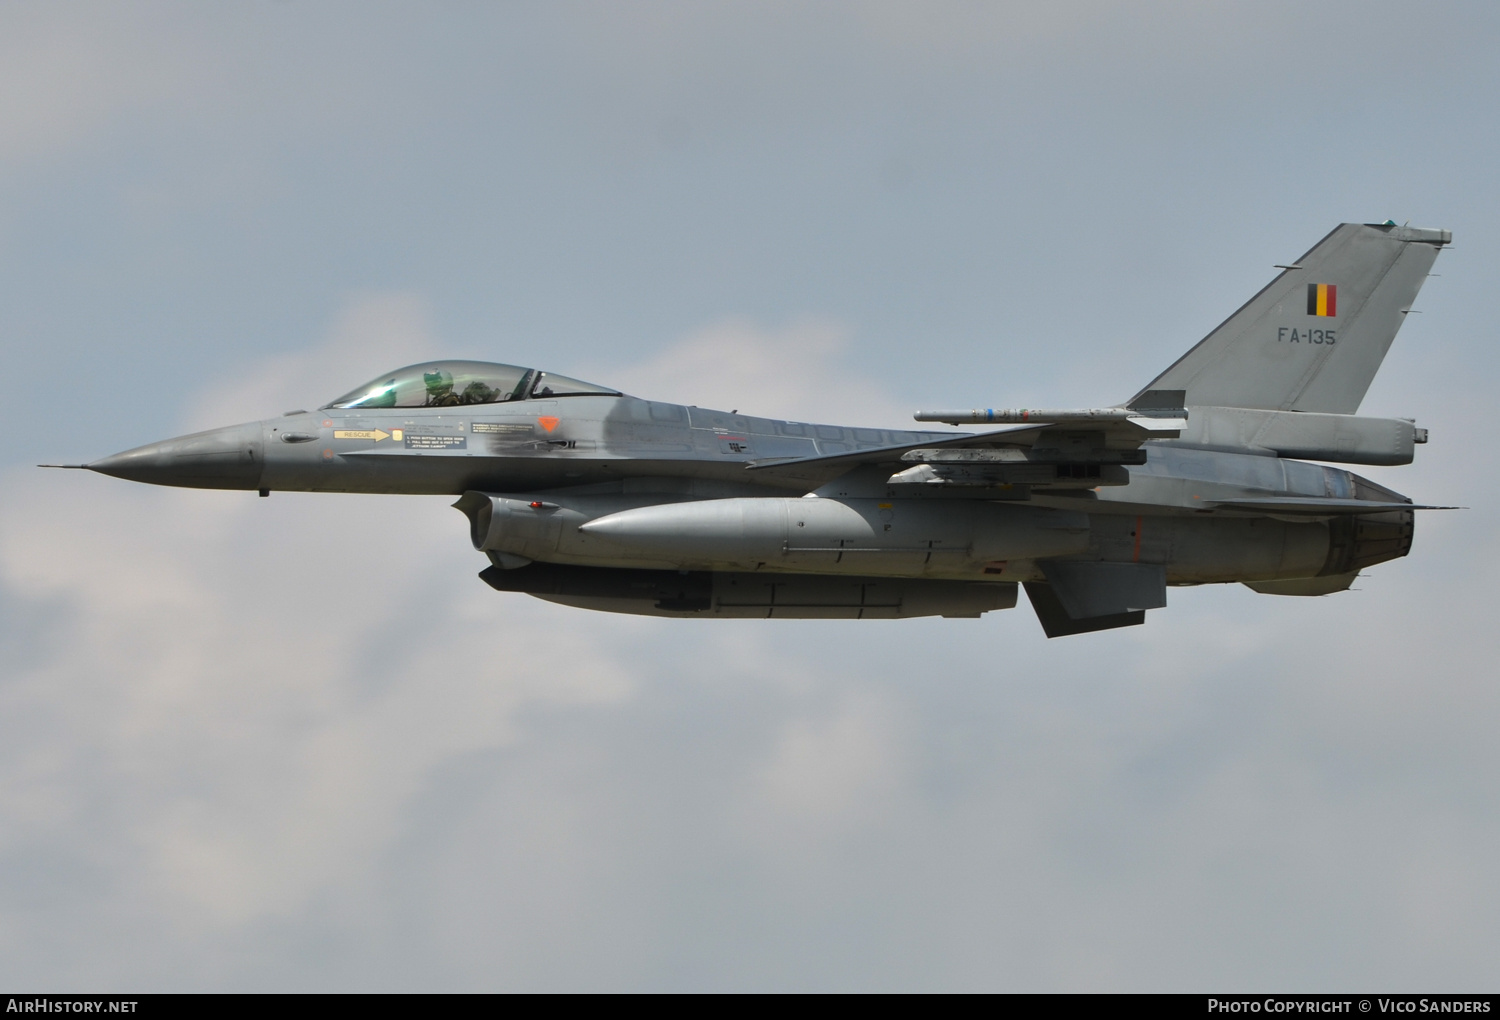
(1322, 299)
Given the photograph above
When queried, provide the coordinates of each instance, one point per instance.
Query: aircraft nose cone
(227, 458)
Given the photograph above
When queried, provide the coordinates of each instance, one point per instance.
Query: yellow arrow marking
(375, 434)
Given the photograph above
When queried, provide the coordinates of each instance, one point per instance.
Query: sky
(294, 744)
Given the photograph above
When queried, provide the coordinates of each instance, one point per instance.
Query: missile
(1151, 419)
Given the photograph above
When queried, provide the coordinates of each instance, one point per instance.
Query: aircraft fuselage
(690, 488)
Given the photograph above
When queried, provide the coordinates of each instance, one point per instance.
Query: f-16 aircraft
(579, 494)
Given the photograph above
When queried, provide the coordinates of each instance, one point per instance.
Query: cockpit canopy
(457, 383)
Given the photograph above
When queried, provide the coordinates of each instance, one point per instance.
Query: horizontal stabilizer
(1307, 435)
(1317, 506)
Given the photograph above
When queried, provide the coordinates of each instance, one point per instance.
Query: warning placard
(498, 428)
(441, 442)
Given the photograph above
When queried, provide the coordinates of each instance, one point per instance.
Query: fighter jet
(586, 496)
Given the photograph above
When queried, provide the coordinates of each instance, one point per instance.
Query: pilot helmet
(439, 380)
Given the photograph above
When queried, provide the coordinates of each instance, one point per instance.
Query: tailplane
(1314, 338)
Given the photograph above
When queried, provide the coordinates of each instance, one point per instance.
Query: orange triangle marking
(549, 423)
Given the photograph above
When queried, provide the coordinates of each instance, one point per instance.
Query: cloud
(242, 730)
(828, 776)
(806, 370)
(296, 741)
(67, 73)
(299, 743)
(260, 748)
(373, 333)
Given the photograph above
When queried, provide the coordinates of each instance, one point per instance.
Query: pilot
(439, 389)
(479, 393)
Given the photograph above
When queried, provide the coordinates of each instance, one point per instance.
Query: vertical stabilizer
(1314, 338)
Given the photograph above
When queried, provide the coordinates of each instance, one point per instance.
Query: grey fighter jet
(583, 495)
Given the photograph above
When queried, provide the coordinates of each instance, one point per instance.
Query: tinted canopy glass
(549, 384)
(459, 383)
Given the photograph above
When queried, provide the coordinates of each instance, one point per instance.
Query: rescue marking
(548, 422)
(375, 434)
(503, 428)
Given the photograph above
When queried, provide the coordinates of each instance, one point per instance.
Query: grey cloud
(805, 370)
(294, 743)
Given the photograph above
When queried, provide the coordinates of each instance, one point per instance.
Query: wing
(1070, 446)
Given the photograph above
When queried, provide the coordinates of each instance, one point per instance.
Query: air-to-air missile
(582, 495)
